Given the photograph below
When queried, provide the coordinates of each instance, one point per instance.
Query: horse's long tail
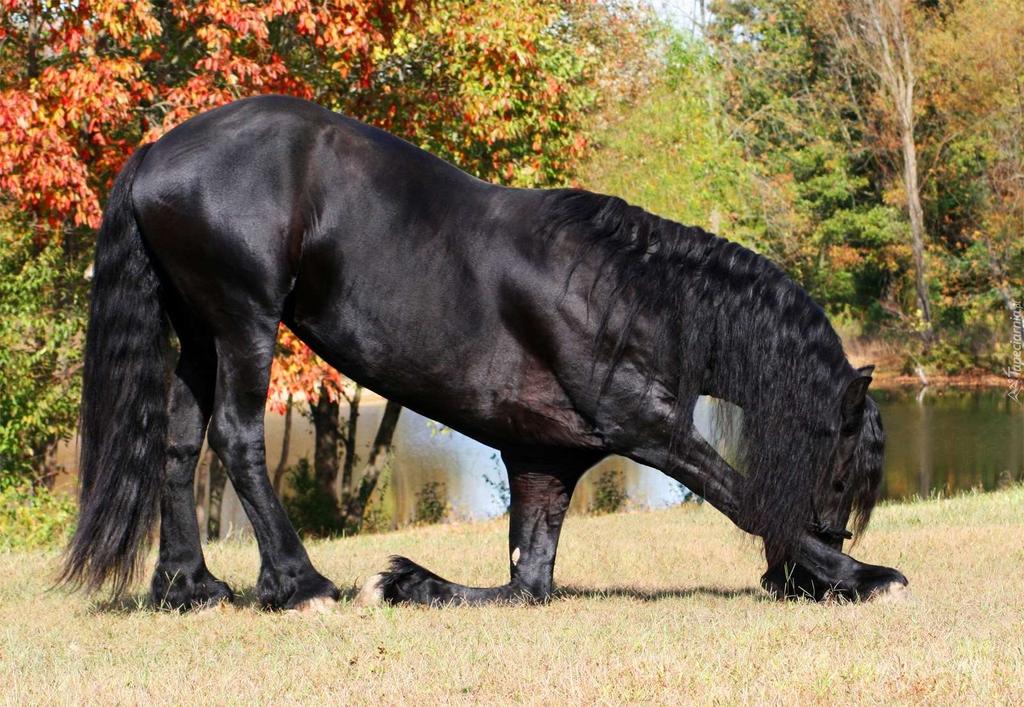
(123, 417)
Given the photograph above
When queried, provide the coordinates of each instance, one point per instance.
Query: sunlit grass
(654, 606)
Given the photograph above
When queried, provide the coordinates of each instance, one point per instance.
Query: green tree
(802, 130)
(669, 149)
(42, 294)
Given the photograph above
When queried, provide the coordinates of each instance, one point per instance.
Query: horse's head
(850, 487)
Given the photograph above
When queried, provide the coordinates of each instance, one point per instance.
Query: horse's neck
(776, 357)
(734, 344)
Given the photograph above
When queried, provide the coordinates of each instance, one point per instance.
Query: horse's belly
(483, 385)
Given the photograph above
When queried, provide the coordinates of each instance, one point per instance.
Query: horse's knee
(240, 448)
(225, 435)
(181, 463)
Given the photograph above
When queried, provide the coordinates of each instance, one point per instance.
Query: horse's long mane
(733, 325)
(867, 468)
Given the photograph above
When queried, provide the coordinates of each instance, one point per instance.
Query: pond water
(941, 441)
(950, 440)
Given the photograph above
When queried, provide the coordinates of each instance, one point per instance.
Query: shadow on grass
(571, 592)
(246, 598)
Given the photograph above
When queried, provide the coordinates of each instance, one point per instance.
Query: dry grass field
(653, 607)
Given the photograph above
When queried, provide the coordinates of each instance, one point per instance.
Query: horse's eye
(838, 486)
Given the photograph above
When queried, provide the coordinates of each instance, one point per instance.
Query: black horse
(558, 326)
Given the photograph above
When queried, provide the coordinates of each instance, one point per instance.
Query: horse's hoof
(891, 593)
(286, 592)
(221, 605)
(876, 583)
(316, 605)
(372, 592)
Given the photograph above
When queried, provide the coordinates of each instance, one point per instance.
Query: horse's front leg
(541, 486)
(817, 570)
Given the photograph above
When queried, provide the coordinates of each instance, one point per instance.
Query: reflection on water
(950, 441)
(946, 441)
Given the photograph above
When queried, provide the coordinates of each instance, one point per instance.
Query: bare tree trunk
(282, 462)
(380, 455)
(351, 428)
(901, 85)
(48, 468)
(916, 225)
(202, 484)
(34, 27)
(325, 452)
(877, 38)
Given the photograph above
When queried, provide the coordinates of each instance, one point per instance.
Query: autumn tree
(944, 95)
(877, 36)
(974, 158)
(84, 83)
(814, 171)
(878, 133)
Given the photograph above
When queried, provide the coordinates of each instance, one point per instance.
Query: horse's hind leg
(541, 487)
(287, 578)
(181, 579)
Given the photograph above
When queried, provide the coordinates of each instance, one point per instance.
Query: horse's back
(230, 200)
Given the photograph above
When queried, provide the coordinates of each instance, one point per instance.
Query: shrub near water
(34, 518)
(41, 324)
(431, 506)
(312, 512)
(609, 496)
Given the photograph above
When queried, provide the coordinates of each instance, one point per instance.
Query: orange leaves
(50, 131)
(844, 257)
(280, 46)
(57, 186)
(299, 372)
(66, 103)
(87, 81)
(123, 22)
(489, 84)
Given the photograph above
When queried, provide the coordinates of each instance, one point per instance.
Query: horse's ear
(852, 409)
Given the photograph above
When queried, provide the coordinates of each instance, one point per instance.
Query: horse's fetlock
(186, 588)
(538, 590)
